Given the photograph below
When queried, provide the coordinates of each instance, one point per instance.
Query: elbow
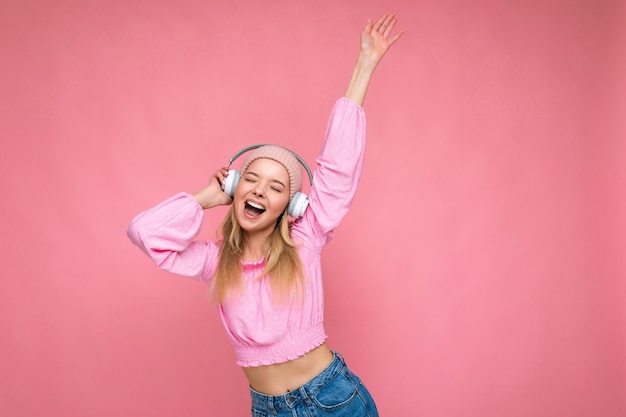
(134, 234)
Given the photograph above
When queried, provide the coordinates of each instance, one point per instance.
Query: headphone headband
(258, 145)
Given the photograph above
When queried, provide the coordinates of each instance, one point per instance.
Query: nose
(258, 190)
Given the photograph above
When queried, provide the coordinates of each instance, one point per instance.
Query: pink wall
(480, 273)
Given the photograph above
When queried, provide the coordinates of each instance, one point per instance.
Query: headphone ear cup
(298, 204)
(230, 182)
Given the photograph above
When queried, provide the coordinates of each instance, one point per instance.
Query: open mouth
(253, 209)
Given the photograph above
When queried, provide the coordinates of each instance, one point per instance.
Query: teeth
(256, 206)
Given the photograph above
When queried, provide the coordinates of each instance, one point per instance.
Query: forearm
(206, 198)
(360, 79)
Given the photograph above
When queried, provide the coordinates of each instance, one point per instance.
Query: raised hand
(376, 37)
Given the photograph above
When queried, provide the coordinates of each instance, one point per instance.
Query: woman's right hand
(212, 195)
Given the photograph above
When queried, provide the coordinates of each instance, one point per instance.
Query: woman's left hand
(376, 38)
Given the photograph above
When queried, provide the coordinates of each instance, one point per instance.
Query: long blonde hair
(282, 262)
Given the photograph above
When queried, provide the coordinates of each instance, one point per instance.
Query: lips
(253, 209)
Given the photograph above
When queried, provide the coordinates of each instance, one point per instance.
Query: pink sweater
(261, 332)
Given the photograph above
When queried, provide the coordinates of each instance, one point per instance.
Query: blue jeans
(335, 391)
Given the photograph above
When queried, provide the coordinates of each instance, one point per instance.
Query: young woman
(265, 273)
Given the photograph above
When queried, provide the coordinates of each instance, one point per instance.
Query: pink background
(481, 271)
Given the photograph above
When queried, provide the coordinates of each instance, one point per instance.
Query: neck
(254, 247)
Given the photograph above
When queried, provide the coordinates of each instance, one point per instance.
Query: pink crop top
(261, 332)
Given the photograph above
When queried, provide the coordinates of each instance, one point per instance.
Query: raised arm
(376, 39)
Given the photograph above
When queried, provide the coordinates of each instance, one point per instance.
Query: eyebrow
(272, 180)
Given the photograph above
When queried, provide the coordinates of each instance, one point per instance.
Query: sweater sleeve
(337, 172)
(167, 232)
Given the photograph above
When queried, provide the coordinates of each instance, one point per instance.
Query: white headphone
(298, 203)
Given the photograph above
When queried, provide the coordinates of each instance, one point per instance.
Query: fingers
(388, 25)
(220, 175)
(384, 25)
(396, 37)
(222, 172)
(379, 22)
(368, 26)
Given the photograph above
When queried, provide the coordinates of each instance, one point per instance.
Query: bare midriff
(280, 378)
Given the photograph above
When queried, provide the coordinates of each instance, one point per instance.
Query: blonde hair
(282, 262)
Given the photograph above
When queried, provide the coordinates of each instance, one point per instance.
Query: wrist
(203, 199)
(361, 76)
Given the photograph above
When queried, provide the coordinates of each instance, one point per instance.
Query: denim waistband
(293, 398)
